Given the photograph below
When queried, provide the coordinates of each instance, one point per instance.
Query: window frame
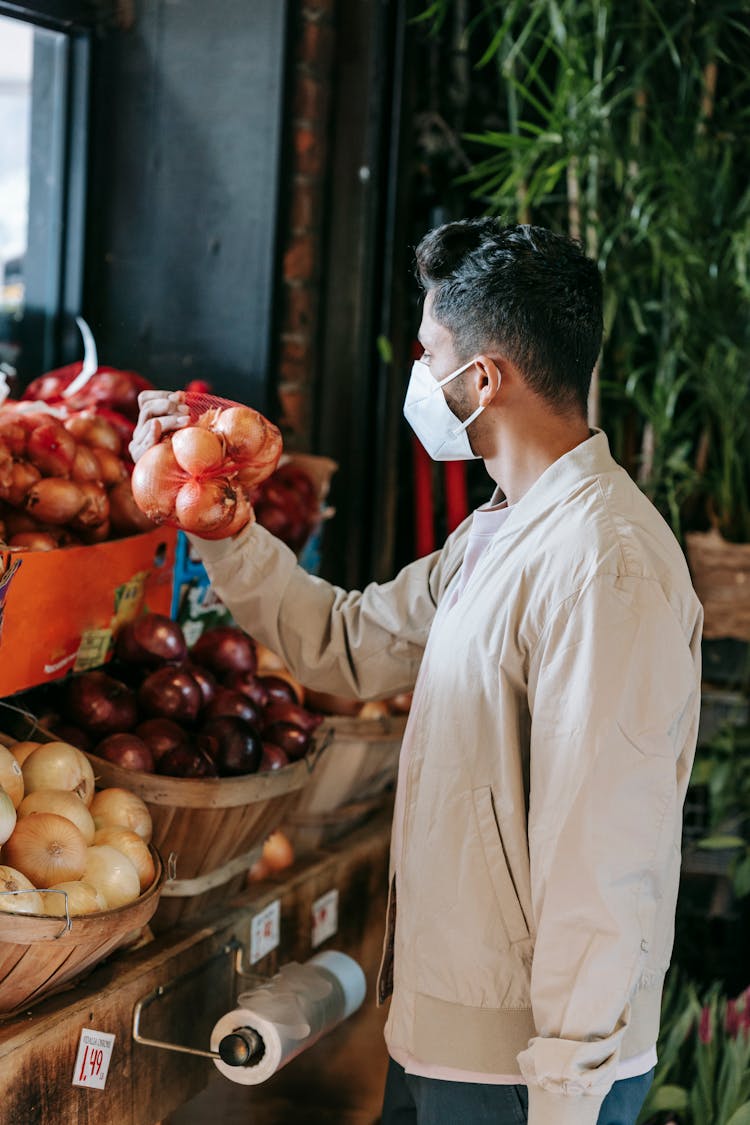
(54, 290)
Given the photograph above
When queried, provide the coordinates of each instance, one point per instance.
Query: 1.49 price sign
(92, 1060)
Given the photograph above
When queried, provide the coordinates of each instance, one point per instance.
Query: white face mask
(432, 420)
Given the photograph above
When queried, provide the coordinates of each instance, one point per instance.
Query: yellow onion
(13, 880)
(7, 816)
(23, 475)
(132, 846)
(50, 447)
(21, 750)
(58, 765)
(243, 515)
(268, 661)
(33, 541)
(85, 465)
(127, 518)
(156, 480)
(198, 451)
(111, 468)
(47, 849)
(113, 875)
(205, 506)
(55, 500)
(94, 432)
(120, 808)
(95, 510)
(11, 776)
(61, 803)
(373, 709)
(248, 435)
(83, 898)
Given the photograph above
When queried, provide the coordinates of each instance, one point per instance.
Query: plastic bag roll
(291, 1012)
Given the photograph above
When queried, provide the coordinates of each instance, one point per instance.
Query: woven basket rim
(86, 927)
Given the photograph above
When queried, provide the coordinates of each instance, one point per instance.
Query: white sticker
(192, 630)
(264, 931)
(325, 917)
(92, 1060)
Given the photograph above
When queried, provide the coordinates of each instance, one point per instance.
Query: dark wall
(183, 192)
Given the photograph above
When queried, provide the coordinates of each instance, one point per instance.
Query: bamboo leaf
(741, 879)
(673, 1098)
(716, 843)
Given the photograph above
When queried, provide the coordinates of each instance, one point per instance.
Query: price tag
(93, 649)
(325, 917)
(92, 1060)
(264, 931)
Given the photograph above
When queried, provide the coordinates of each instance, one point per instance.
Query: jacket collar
(589, 459)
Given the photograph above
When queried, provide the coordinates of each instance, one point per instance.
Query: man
(553, 648)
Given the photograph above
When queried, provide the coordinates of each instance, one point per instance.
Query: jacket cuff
(548, 1108)
(213, 550)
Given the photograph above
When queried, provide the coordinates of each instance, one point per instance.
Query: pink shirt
(486, 523)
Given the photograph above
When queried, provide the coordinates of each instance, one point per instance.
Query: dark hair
(525, 290)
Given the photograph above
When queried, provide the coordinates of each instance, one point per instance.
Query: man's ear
(487, 378)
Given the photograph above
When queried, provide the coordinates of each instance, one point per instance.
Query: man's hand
(160, 411)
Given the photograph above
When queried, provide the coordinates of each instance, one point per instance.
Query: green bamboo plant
(626, 125)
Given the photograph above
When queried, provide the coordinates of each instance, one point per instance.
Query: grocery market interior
(224, 200)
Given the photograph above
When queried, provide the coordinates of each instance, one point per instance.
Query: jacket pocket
(497, 867)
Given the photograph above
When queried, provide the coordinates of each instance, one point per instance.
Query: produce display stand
(183, 981)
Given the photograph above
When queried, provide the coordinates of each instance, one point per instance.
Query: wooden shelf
(145, 1084)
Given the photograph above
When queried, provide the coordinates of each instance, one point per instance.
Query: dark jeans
(411, 1100)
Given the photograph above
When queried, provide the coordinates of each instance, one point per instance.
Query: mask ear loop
(465, 425)
(453, 375)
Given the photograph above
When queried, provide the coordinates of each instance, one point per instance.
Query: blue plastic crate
(194, 604)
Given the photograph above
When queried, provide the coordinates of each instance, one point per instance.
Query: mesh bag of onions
(200, 478)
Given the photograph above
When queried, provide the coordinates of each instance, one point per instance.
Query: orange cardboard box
(60, 610)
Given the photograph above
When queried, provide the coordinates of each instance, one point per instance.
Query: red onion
(151, 639)
(204, 679)
(225, 649)
(293, 739)
(238, 748)
(128, 751)
(279, 689)
(187, 761)
(282, 711)
(297, 480)
(233, 705)
(274, 758)
(100, 704)
(161, 736)
(68, 732)
(250, 685)
(170, 693)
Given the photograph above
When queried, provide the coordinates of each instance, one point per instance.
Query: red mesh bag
(201, 477)
(199, 403)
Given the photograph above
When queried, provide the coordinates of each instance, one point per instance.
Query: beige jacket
(536, 846)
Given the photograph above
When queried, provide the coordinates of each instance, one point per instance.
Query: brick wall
(313, 34)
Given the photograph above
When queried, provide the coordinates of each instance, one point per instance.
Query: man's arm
(614, 694)
(362, 644)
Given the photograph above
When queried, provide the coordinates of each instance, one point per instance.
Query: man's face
(441, 358)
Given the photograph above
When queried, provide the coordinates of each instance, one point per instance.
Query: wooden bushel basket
(721, 576)
(40, 955)
(353, 778)
(209, 830)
